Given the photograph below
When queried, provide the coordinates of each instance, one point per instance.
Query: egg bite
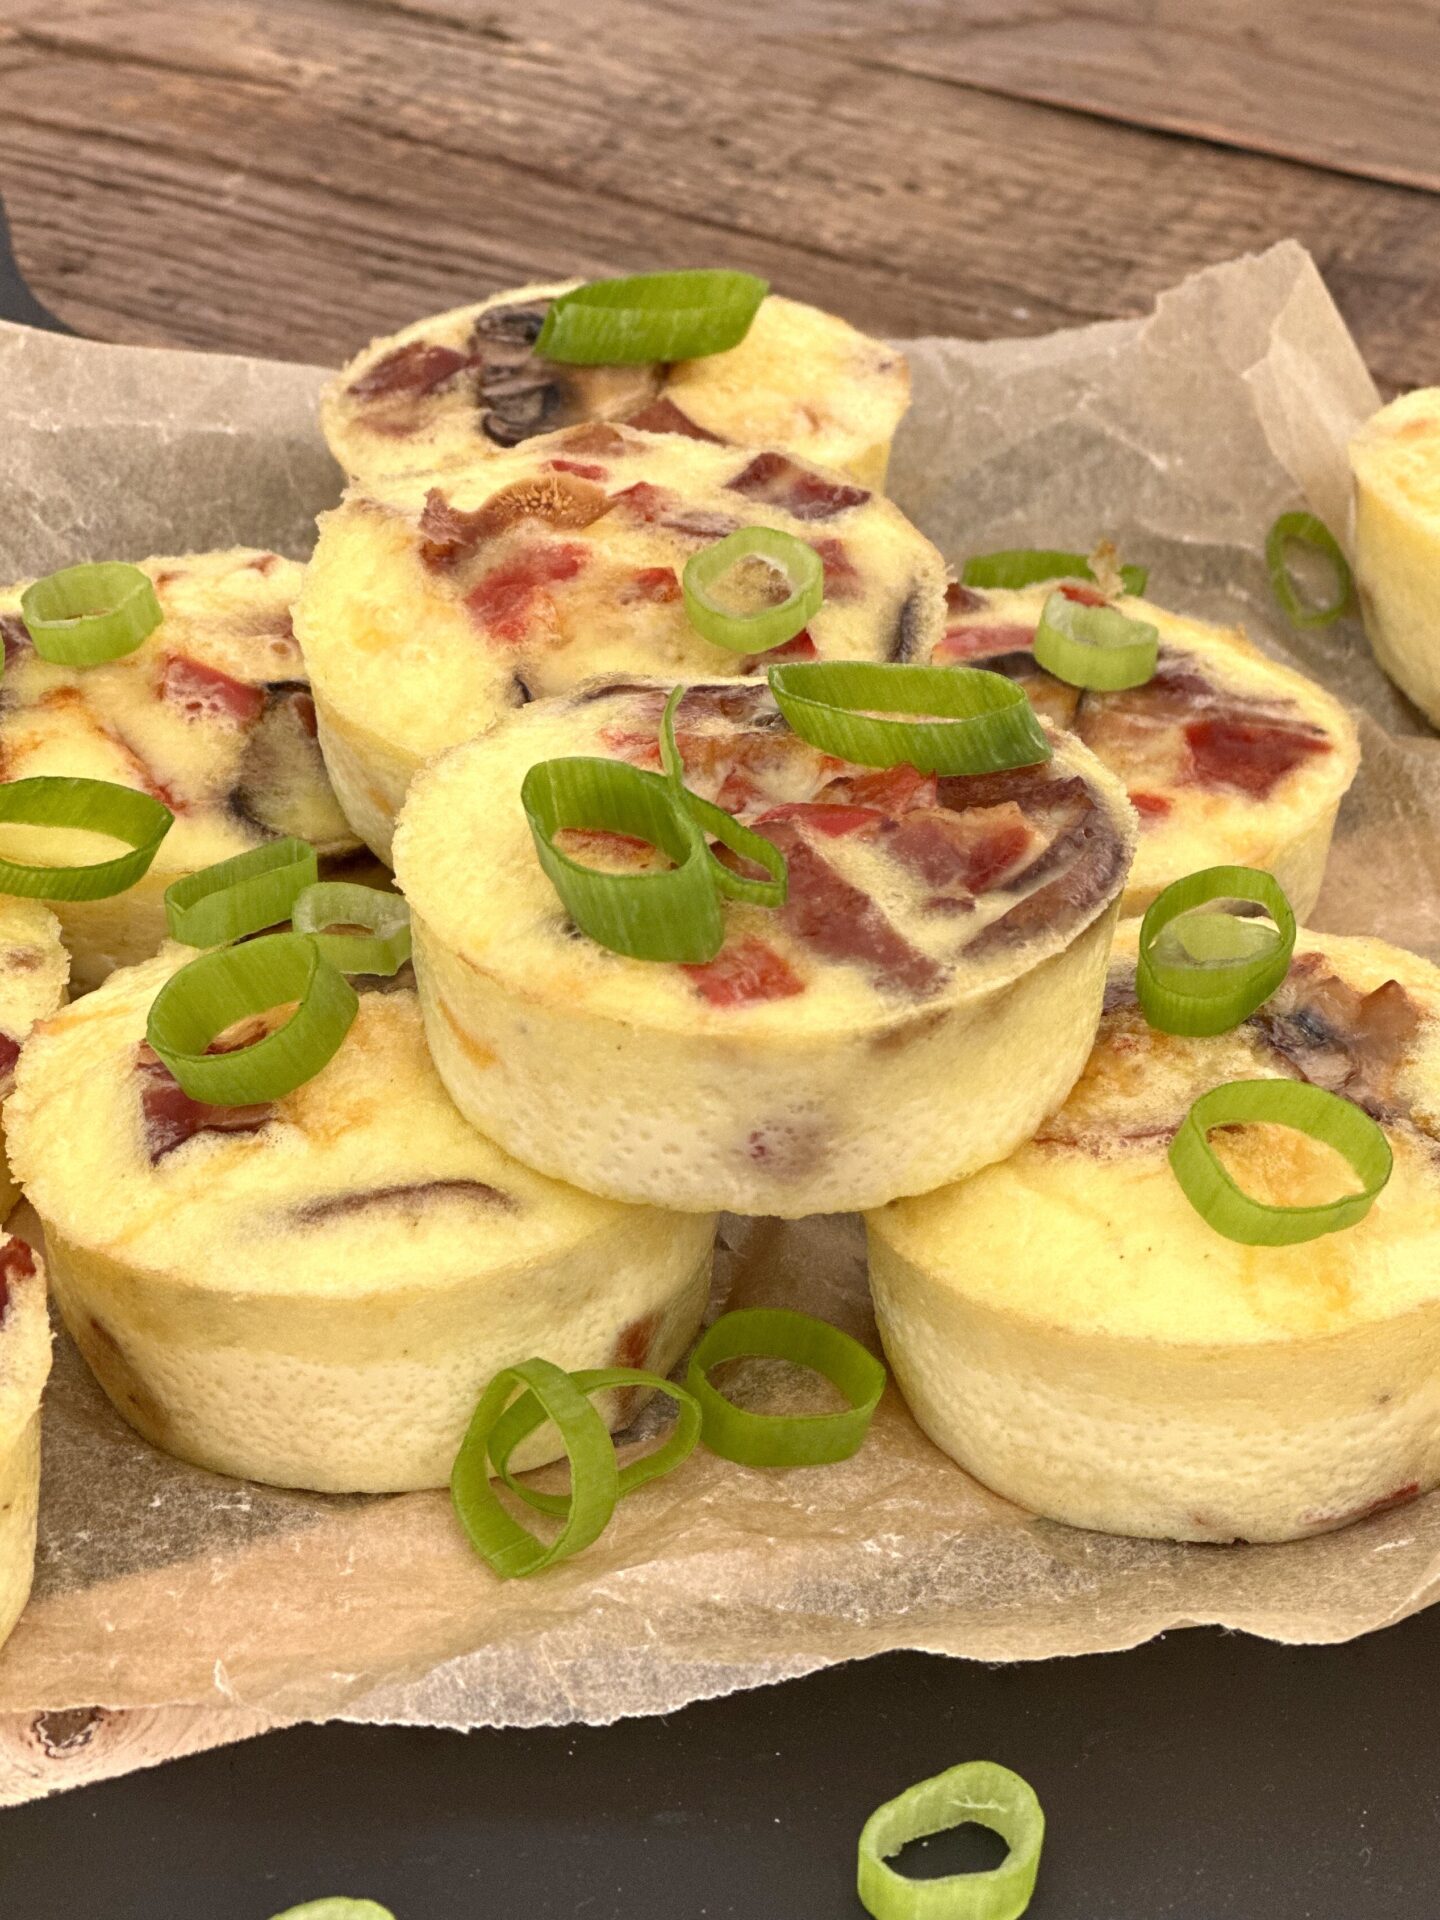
(1228, 758)
(24, 1369)
(1395, 459)
(34, 968)
(436, 603)
(313, 1292)
(926, 996)
(1071, 1330)
(466, 384)
(211, 714)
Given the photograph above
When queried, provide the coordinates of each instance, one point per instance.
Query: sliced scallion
(651, 316)
(500, 1540)
(778, 554)
(1017, 567)
(978, 1791)
(240, 895)
(385, 945)
(1095, 647)
(1325, 1117)
(524, 1415)
(1305, 530)
(973, 721)
(92, 806)
(714, 820)
(1201, 972)
(785, 1440)
(214, 991)
(670, 915)
(86, 615)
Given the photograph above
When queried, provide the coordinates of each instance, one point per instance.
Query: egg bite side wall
(1395, 459)
(24, 1368)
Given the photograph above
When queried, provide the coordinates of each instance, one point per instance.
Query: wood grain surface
(289, 178)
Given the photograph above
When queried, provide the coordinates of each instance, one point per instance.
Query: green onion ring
(986, 722)
(505, 1546)
(1095, 647)
(1326, 1117)
(977, 1790)
(770, 626)
(524, 1415)
(672, 915)
(86, 615)
(240, 895)
(651, 316)
(97, 806)
(384, 949)
(785, 1439)
(1196, 998)
(214, 991)
(1307, 531)
(1028, 566)
(725, 828)
(337, 1909)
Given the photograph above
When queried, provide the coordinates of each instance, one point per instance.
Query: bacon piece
(9, 1054)
(1085, 596)
(835, 822)
(644, 501)
(596, 438)
(17, 1262)
(416, 369)
(1152, 806)
(892, 790)
(334, 1206)
(979, 643)
(743, 973)
(829, 915)
(663, 416)
(628, 743)
(1253, 756)
(16, 638)
(842, 576)
(659, 586)
(1035, 790)
(1339, 1039)
(610, 852)
(508, 600)
(264, 563)
(801, 492)
(802, 647)
(963, 599)
(170, 1117)
(965, 852)
(205, 693)
(582, 469)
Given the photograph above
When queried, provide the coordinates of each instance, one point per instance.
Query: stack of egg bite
(514, 1132)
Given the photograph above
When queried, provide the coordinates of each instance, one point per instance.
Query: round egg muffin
(1074, 1333)
(925, 997)
(1396, 462)
(465, 384)
(1228, 758)
(24, 1368)
(435, 603)
(34, 968)
(211, 714)
(314, 1291)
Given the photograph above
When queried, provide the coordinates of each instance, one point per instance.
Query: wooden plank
(290, 181)
(44, 1753)
(1340, 85)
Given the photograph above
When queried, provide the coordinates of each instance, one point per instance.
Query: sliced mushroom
(282, 786)
(521, 394)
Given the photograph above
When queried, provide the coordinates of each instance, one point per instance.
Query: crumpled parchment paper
(1180, 436)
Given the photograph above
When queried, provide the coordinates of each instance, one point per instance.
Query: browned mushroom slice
(523, 394)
